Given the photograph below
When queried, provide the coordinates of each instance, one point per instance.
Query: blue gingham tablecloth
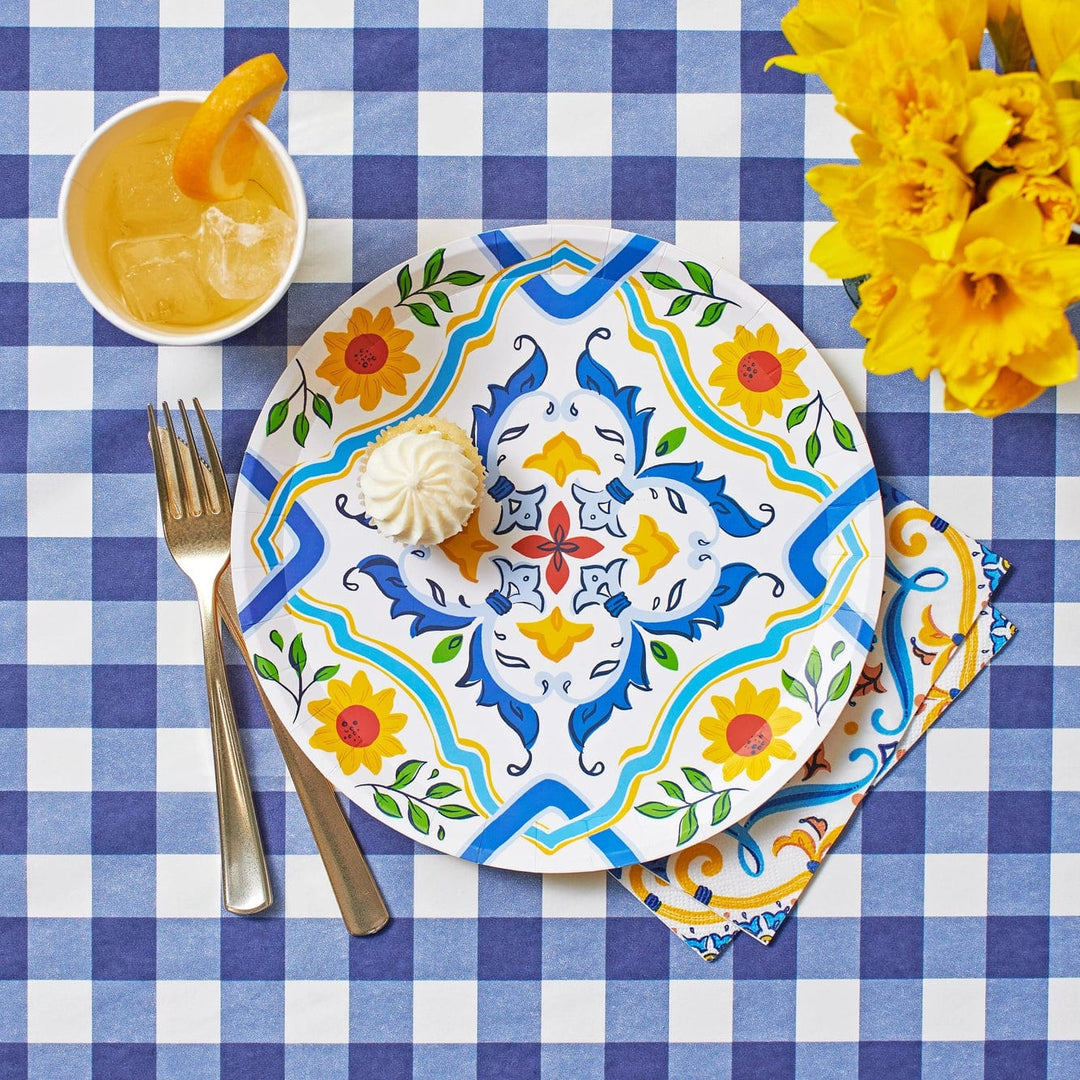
(943, 937)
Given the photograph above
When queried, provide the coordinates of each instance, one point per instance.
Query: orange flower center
(357, 725)
(366, 353)
(759, 371)
(748, 734)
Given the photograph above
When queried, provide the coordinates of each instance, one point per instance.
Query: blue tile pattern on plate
(108, 850)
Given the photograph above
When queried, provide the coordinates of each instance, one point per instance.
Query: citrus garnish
(217, 148)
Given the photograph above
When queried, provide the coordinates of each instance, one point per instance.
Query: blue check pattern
(413, 121)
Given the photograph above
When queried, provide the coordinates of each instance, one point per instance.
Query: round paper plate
(657, 612)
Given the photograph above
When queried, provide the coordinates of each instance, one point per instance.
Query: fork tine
(165, 494)
(221, 485)
(186, 498)
(196, 466)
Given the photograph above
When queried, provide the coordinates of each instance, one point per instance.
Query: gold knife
(362, 905)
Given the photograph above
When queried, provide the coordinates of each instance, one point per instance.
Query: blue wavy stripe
(458, 756)
(276, 586)
(705, 409)
(601, 279)
(546, 794)
(817, 532)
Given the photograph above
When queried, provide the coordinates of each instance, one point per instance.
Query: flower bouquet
(959, 217)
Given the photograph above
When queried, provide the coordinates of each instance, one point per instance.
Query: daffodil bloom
(813, 27)
(875, 295)
(1035, 141)
(756, 374)
(997, 304)
(851, 246)
(1058, 203)
(744, 733)
(924, 196)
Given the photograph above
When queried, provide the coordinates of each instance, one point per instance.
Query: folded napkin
(935, 632)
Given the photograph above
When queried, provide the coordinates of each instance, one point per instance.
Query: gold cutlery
(362, 906)
(363, 909)
(196, 515)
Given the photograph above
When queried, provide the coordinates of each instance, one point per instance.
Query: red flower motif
(558, 547)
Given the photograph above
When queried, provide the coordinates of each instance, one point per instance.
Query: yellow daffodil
(1034, 141)
(1058, 203)
(875, 295)
(358, 725)
(814, 27)
(851, 246)
(744, 732)
(997, 304)
(756, 374)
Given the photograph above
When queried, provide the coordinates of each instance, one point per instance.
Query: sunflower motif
(368, 358)
(755, 375)
(743, 733)
(357, 724)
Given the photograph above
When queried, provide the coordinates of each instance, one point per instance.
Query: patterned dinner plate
(654, 616)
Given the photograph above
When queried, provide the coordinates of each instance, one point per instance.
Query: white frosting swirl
(418, 488)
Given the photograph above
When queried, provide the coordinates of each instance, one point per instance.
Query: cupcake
(421, 480)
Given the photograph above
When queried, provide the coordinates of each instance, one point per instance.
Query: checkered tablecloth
(943, 936)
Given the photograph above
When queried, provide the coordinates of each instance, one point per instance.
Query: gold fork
(196, 515)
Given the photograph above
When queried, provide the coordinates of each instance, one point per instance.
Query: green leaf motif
(321, 408)
(813, 448)
(301, 427)
(660, 280)
(439, 299)
(447, 649)
(441, 791)
(687, 825)
(679, 304)
(664, 655)
(794, 687)
(441, 834)
(671, 441)
(673, 790)
(797, 416)
(277, 639)
(813, 667)
(386, 804)
(453, 810)
(277, 417)
(405, 773)
(837, 649)
(266, 668)
(702, 277)
(325, 674)
(462, 278)
(298, 654)
(721, 808)
(433, 267)
(842, 434)
(656, 809)
(840, 681)
(696, 778)
(404, 284)
(418, 817)
(424, 314)
(712, 313)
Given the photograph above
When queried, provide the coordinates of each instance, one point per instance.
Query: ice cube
(146, 198)
(244, 246)
(160, 280)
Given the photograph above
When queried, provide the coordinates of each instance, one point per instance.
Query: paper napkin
(935, 632)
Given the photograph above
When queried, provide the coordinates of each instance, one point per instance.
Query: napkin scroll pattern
(935, 632)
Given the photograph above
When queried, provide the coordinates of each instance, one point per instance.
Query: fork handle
(244, 878)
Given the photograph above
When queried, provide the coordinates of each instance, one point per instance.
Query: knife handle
(362, 906)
